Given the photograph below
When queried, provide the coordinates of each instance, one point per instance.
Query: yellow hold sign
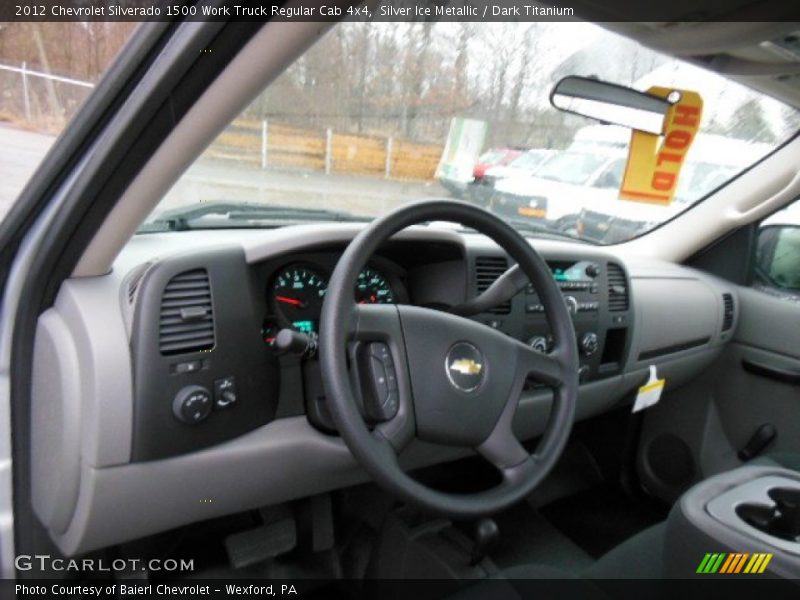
(655, 161)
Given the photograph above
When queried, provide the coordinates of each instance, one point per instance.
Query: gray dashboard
(92, 484)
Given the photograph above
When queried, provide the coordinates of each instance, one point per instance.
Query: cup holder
(781, 519)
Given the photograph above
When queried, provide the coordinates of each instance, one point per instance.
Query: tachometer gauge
(297, 294)
(373, 288)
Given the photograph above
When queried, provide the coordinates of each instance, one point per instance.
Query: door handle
(777, 373)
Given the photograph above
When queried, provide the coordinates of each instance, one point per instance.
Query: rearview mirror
(610, 103)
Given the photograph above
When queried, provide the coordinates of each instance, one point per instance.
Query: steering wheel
(458, 382)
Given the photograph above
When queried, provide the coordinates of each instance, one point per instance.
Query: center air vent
(727, 314)
(487, 270)
(617, 289)
(186, 321)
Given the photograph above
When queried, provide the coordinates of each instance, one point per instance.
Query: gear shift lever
(486, 536)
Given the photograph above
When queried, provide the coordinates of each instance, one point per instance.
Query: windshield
(529, 159)
(571, 167)
(428, 106)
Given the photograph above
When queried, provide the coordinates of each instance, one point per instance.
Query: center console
(744, 522)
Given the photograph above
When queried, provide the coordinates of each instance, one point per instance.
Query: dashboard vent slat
(487, 270)
(618, 299)
(728, 312)
(177, 333)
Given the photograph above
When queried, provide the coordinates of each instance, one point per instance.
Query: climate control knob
(589, 343)
(538, 343)
(192, 404)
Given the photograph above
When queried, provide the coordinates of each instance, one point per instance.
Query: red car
(494, 158)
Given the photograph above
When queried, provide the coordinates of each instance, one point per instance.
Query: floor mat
(527, 537)
(601, 518)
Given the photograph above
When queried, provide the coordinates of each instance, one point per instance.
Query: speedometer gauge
(373, 288)
(297, 294)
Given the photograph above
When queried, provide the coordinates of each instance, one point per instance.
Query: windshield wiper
(523, 226)
(220, 215)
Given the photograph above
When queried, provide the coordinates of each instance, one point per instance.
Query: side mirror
(777, 262)
(610, 103)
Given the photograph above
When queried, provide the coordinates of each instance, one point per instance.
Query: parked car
(496, 157)
(523, 165)
(592, 166)
(711, 162)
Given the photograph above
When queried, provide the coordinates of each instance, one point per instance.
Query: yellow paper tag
(654, 162)
(650, 392)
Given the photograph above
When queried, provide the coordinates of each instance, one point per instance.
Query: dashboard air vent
(727, 314)
(617, 289)
(187, 318)
(487, 270)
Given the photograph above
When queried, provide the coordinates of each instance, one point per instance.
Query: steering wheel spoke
(381, 374)
(549, 369)
(503, 450)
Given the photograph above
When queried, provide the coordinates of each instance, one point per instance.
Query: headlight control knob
(192, 404)
(538, 343)
(589, 343)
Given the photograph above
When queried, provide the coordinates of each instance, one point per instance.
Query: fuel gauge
(269, 330)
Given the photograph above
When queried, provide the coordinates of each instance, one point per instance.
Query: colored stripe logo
(734, 563)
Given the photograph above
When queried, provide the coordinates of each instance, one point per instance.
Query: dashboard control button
(382, 403)
(192, 404)
(538, 343)
(188, 367)
(592, 270)
(225, 392)
(583, 374)
(391, 378)
(381, 351)
(534, 308)
(589, 343)
(572, 304)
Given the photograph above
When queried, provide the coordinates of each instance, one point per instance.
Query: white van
(712, 161)
(591, 167)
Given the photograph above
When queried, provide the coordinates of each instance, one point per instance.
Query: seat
(639, 557)
(787, 460)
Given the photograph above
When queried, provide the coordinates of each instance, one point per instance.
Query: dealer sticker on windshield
(655, 161)
(650, 393)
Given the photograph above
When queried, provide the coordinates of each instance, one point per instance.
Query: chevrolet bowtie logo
(466, 366)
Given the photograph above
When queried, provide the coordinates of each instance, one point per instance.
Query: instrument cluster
(296, 291)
